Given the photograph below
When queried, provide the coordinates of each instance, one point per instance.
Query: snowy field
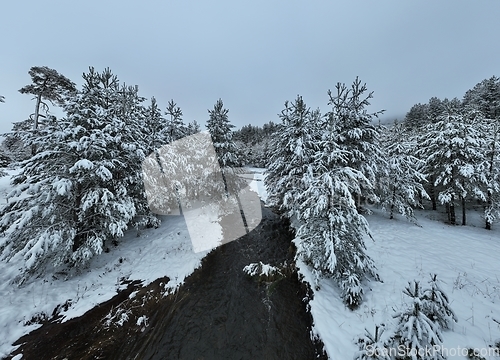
(465, 258)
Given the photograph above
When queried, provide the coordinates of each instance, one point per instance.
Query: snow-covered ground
(155, 253)
(465, 258)
(258, 184)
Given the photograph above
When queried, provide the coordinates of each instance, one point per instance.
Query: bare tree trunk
(452, 211)
(488, 222)
(393, 200)
(35, 120)
(492, 159)
(37, 111)
(463, 211)
(433, 194)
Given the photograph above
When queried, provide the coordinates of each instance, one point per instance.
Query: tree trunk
(488, 204)
(37, 111)
(452, 211)
(78, 240)
(463, 211)
(492, 160)
(35, 121)
(432, 191)
(392, 201)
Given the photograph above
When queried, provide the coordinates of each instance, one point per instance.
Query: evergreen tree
(400, 187)
(193, 128)
(415, 331)
(175, 126)
(47, 84)
(136, 141)
(220, 129)
(417, 116)
(435, 109)
(435, 304)
(492, 171)
(356, 134)
(74, 195)
(430, 114)
(372, 346)
(157, 126)
(331, 234)
(292, 150)
(485, 97)
(316, 165)
(453, 147)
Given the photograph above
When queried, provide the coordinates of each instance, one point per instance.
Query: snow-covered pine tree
(47, 84)
(135, 142)
(492, 171)
(157, 127)
(400, 185)
(174, 124)
(291, 152)
(72, 197)
(193, 128)
(37, 220)
(485, 97)
(330, 236)
(417, 116)
(435, 109)
(415, 331)
(373, 346)
(356, 133)
(453, 147)
(106, 157)
(220, 129)
(436, 306)
(156, 135)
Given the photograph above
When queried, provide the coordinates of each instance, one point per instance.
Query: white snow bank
(257, 184)
(465, 258)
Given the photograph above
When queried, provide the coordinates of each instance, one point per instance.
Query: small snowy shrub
(415, 331)
(372, 346)
(435, 305)
(352, 291)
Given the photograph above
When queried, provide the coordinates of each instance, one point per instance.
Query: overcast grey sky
(253, 54)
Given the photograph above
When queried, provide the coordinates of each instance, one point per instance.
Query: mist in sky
(254, 55)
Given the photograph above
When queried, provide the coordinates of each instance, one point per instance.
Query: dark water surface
(219, 312)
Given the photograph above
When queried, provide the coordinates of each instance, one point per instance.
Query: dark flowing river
(218, 313)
